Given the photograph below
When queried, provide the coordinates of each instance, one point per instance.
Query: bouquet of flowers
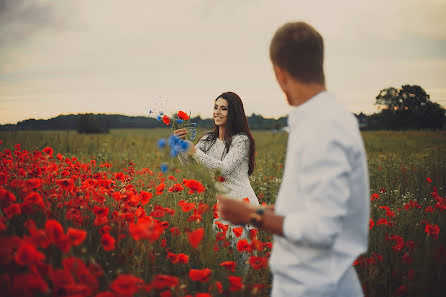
(178, 120)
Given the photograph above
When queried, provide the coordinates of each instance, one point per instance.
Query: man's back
(324, 197)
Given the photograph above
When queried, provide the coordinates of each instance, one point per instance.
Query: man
(321, 215)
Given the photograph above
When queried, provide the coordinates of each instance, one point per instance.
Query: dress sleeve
(238, 150)
(325, 184)
(184, 158)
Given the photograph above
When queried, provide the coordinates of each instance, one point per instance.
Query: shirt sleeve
(324, 180)
(238, 150)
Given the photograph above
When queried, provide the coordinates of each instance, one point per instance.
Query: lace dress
(233, 166)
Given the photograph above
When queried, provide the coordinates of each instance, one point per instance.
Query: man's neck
(301, 93)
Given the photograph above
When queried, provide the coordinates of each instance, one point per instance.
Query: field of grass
(406, 256)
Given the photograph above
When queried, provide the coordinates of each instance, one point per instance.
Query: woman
(229, 150)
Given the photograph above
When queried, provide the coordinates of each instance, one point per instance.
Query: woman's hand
(180, 133)
(191, 150)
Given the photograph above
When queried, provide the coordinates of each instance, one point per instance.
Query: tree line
(406, 108)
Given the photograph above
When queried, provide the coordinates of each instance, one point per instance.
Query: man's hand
(237, 212)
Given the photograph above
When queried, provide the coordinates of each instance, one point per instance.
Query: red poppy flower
(371, 224)
(6, 196)
(34, 198)
(374, 197)
(162, 281)
(202, 275)
(183, 258)
(246, 199)
(432, 230)
(48, 150)
(146, 230)
(253, 233)
(182, 115)
(186, 207)
(12, 210)
(3, 178)
(145, 197)
(108, 242)
(166, 120)
(258, 262)
(176, 188)
(160, 188)
(236, 283)
(238, 231)
(54, 231)
(389, 213)
(28, 255)
(230, 265)
(195, 237)
(243, 245)
(194, 186)
(76, 236)
(175, 231)
(126, 284)
(428, 180)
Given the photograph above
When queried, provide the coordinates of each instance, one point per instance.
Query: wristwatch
(257, 218)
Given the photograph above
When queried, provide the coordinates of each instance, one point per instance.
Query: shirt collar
(306, 109)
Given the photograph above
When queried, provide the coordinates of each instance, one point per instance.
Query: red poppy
(48, 150)
(243, 245)
(432, 230)
(258, 262)
(150, 230)
(76, 236)
(182, 115)
(176, 188)
(194, 186)
(236, 283)
(145, 197)
(253, 233)
(428, 180)
(160, 188)
(33, 198)
(166, 120)
(28, 255)
(108, 242)
(246, 199)
(186, 207)
(175, 231)
(162, 281)
(374, 197)
(126, 284)
(3, 178)
(238, 231)
(12, 210)
(6, 196)
(195, 237)
(230, 265)
(371, 224)
(54, 231)
(389, 213)
(202, 275)
(183, 258)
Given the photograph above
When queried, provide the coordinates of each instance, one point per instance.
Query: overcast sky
(106, 56)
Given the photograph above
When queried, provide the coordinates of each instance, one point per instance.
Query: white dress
(233, 166)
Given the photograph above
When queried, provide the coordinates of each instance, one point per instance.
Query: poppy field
(117, 215)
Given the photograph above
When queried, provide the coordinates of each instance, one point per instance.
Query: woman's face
(220, 112)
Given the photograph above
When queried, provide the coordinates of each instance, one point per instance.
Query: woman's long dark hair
(236, 123)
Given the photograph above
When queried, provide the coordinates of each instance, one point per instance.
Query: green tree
(409, 108)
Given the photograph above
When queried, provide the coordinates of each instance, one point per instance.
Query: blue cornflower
(158, 117)
(162, 143)
(164, 167)
(184, 146)
(180, 121)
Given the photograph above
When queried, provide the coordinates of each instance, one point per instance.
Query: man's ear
(281, 76)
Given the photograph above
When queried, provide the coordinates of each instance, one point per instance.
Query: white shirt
(324, 197)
